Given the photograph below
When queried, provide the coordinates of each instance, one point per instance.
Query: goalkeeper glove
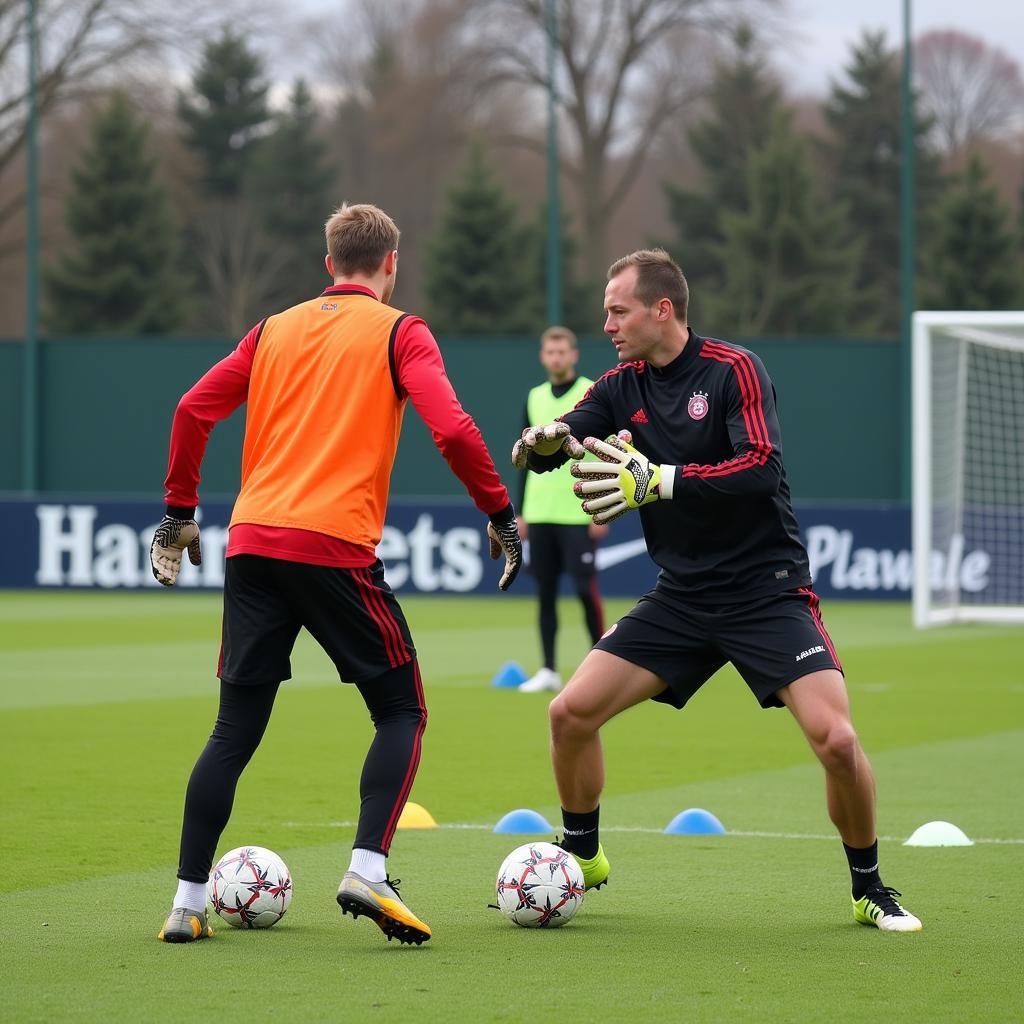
(503, 534)
(623, 479)
(545, 440)
(173, 536)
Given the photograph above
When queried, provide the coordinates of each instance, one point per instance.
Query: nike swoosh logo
(614, 554)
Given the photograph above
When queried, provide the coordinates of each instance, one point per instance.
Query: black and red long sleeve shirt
(729, 533)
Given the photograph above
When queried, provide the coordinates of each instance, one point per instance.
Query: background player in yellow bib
(562, 537)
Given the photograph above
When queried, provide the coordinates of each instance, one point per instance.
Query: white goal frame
(971, 327)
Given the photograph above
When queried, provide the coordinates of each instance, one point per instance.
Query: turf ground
(106, 700)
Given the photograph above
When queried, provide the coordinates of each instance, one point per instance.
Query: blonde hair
(557, 333)
(359, 237)
(658, 277)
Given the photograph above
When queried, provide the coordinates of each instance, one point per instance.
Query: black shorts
(557, 548)
(351, 613)
(771, 641)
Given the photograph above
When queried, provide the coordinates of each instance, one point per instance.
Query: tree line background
(185, 179)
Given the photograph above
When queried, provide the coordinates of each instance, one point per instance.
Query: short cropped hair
(359, 237)
(658, 276)
(558, 333)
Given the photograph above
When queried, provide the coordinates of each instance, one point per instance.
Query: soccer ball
(250, 887)
(540, 886)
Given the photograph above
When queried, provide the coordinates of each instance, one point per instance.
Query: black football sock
(580, 832)
(863, 867)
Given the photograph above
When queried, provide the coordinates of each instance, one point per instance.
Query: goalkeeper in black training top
(693, 441)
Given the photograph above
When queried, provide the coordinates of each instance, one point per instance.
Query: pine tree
(224, 120)
(289, 185)
(787, 270)
(743, 97)
(121, 273)
(970, 264)
(863, 156)
(478, 276)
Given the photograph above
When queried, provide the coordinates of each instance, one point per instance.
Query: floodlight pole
(907, 203)
(554, 239)
(30, 352)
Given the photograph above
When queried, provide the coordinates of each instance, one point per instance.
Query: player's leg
(780, 646)
(241, 721)
(398, 710)
(258, 634)
(580, 557)
(355, 617)
(603, 686)
(545, 567)
(819, 703)
(656, 651)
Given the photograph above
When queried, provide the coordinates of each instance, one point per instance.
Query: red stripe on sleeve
(751, 409)
(743, 367)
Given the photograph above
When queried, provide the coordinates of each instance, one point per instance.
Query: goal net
(968, 458)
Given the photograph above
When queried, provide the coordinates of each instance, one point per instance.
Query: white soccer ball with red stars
(250, 887)
(540, 886)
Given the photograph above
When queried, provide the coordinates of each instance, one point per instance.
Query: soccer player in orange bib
(326, 384)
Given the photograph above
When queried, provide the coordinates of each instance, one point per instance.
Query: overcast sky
(822, 30)
(828, 27)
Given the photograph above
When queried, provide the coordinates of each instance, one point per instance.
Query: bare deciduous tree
(973, 90)
(409, 98)
(84, 45)
(626, 67)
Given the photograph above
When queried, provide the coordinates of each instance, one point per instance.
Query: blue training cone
(510, 675)
(695, 822)
(523, 822)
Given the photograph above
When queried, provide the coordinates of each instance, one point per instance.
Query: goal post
(968, 467)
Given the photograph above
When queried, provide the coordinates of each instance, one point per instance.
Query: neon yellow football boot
(878, 907)
(595, 869)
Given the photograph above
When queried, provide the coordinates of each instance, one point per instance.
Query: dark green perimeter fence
(105, 408)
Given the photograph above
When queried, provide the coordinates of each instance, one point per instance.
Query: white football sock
(369, 865)
(191, 895)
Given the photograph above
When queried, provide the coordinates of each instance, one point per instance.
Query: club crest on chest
(697, 406)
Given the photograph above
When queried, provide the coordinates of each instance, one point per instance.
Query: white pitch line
(471, 827)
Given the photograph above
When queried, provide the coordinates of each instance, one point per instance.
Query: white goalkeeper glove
(624, 479)
(171, 538)
(545, 440)
(503, 534)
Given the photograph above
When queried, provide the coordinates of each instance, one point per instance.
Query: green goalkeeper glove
(622, 480)
(171, 538)
(545, 440)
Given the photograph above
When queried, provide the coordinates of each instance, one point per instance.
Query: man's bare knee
(838, 750)
(567, 721)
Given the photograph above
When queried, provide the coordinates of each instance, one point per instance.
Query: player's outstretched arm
(547, 440)
(175, 534)
(623, 479)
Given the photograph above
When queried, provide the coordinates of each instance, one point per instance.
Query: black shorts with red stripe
(772, 641)
(352, 613)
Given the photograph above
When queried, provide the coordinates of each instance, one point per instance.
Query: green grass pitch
(106, 699)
